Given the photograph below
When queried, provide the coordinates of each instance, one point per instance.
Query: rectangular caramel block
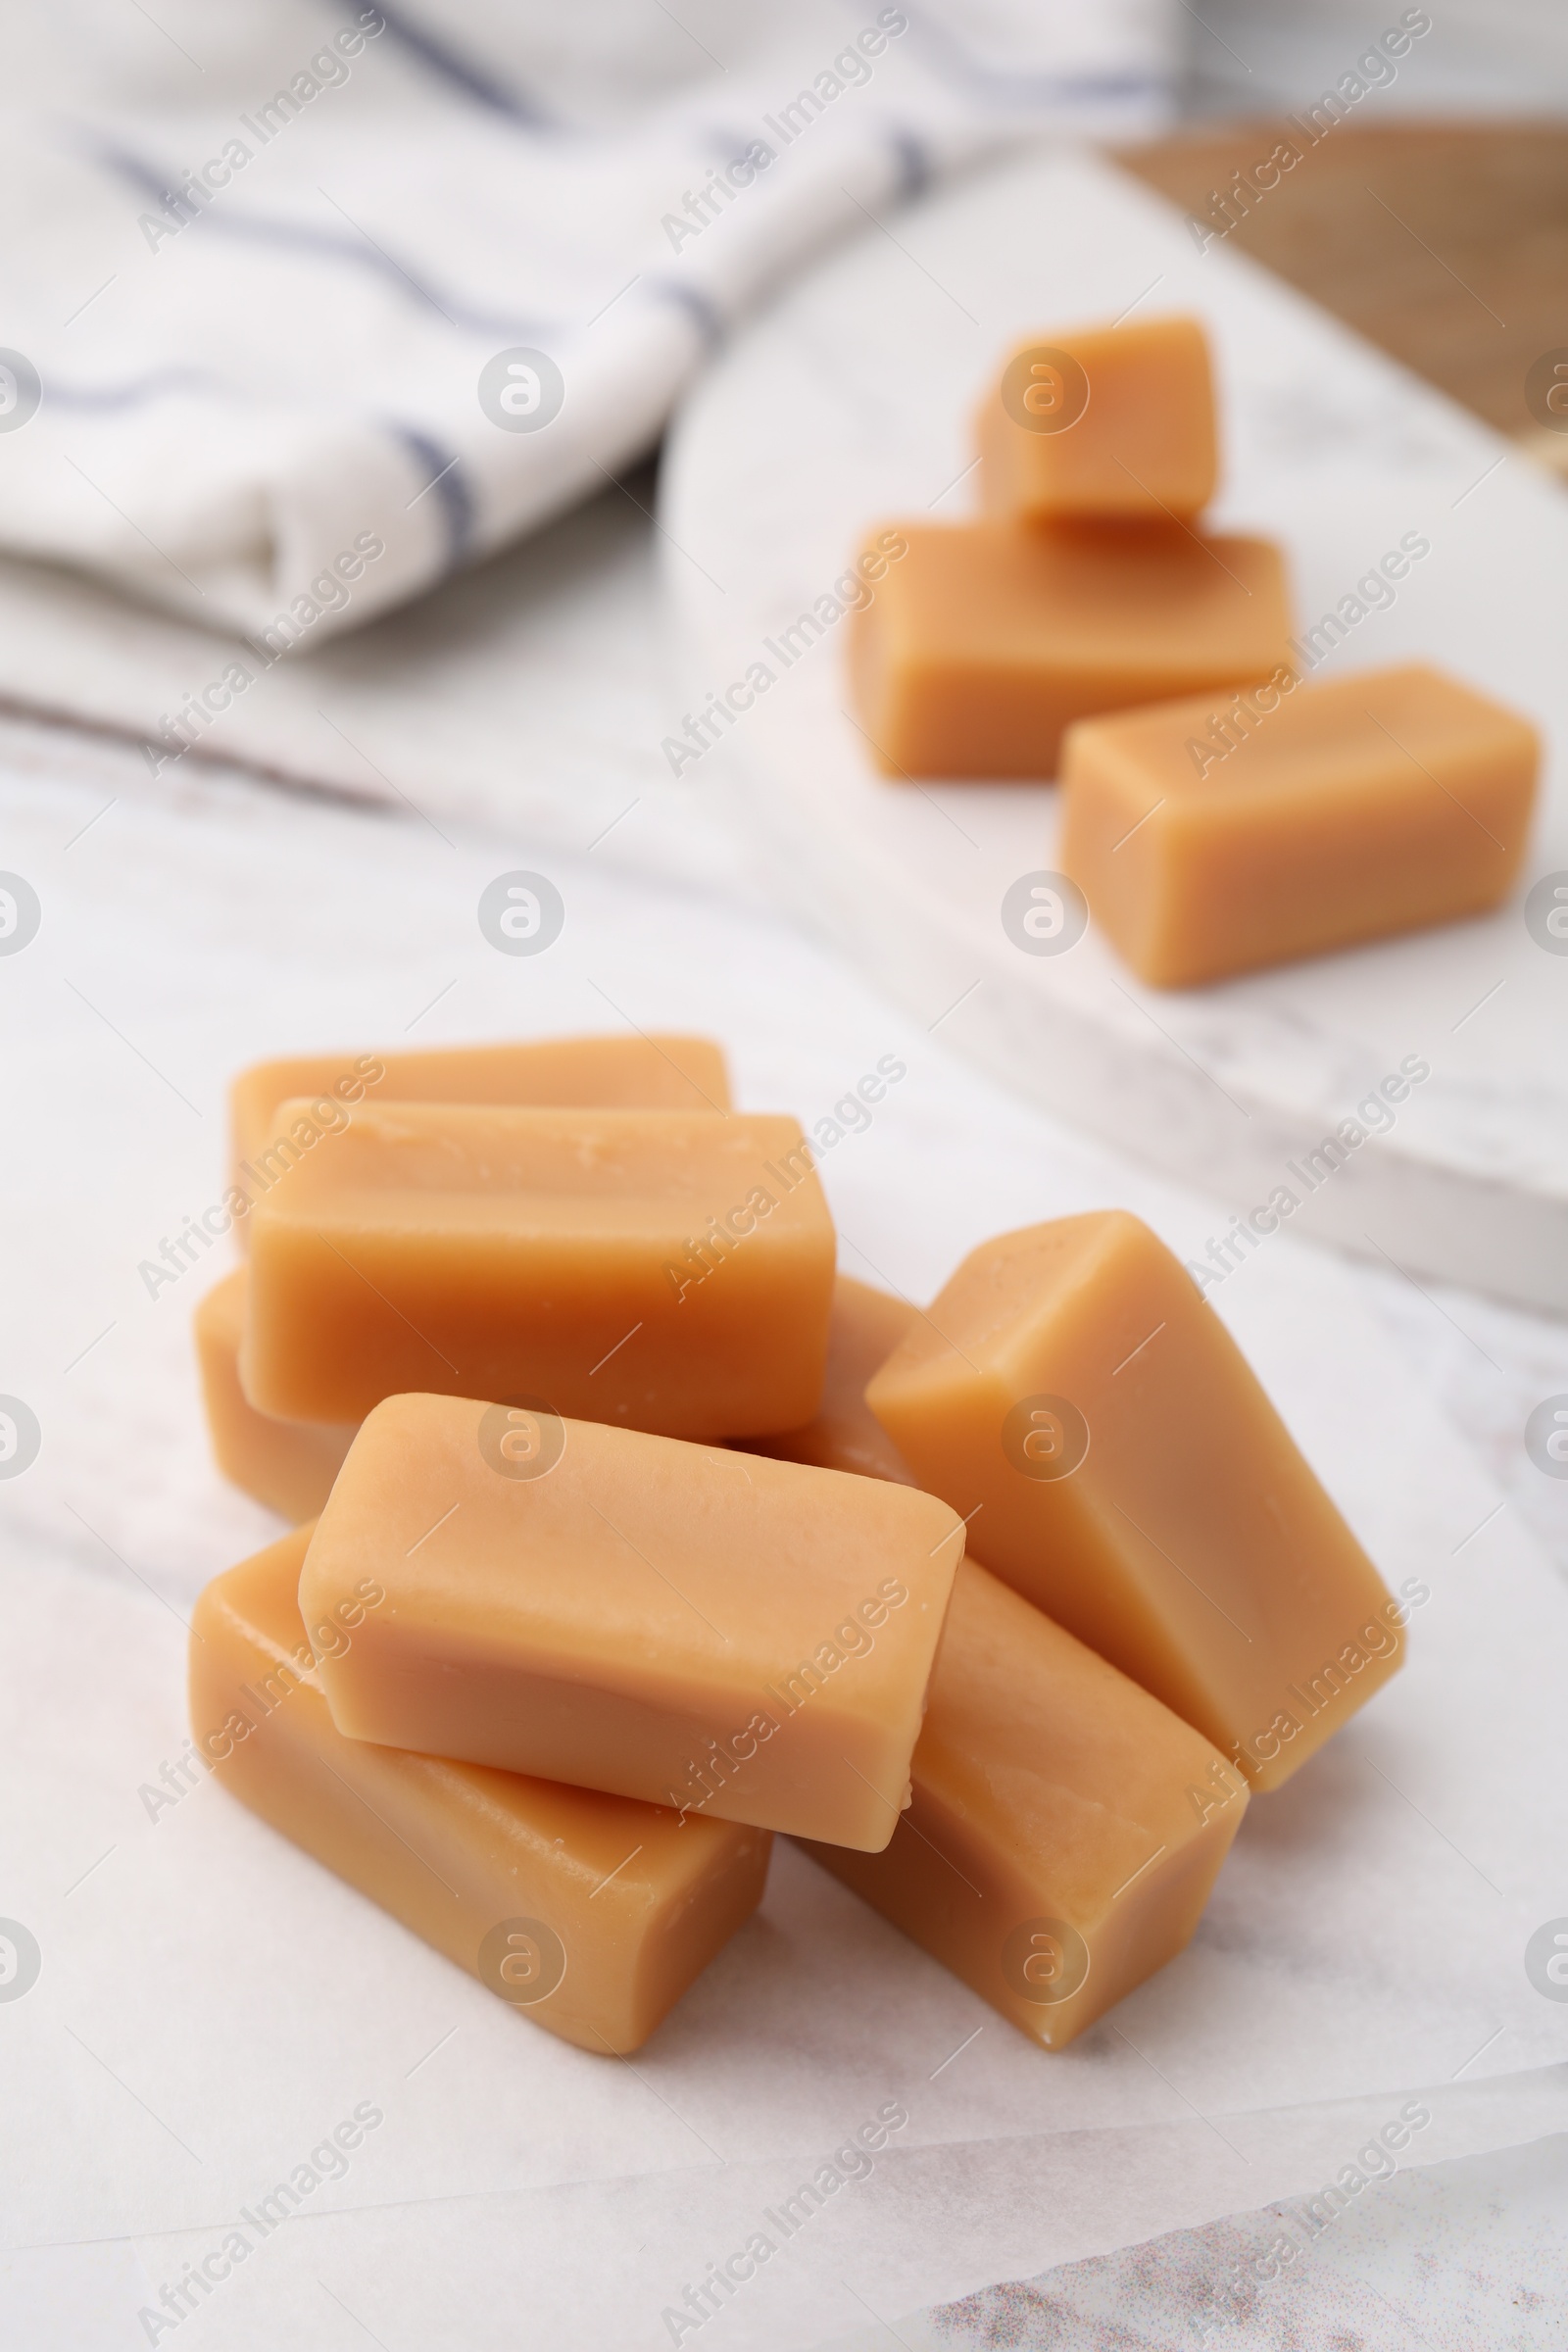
(630, 1073)
(288, 1465)
(669, 1269)
(990, 638)
(1066, 1827)
(589, 1913)
(1112, 420)
(845, 1434)
(1128, 1474)
(699, 1628)
(1213, 837)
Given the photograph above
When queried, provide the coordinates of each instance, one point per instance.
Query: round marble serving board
(848, 405)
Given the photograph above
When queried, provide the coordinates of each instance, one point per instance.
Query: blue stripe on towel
(358, 251)
(164, 384)
(704, 311)
(913, 162)
(463, 74)
(1034, 89)
(447, 484)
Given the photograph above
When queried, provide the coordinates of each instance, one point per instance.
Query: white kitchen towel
(308, 305)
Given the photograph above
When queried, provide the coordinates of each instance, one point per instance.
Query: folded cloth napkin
(310, 304)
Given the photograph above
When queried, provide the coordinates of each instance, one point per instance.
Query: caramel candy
(288, 1465)
(989, 638)
(590, 1914)
(1216, 838)
(672, 1270)
(680, 1622)
(866, 1326)
(1112, 421)
(1066, 1827)
(631, 1073)
(1118, 1465)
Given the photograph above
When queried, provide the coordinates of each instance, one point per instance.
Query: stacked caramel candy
(629, 1534)
(1220, 812)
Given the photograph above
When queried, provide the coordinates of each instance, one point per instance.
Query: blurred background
(1496, 57)
(1468, 142)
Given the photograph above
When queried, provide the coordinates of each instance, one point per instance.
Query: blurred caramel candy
(989, 638)
(669, 1269)
(1212, 837)
(289, 1465)
(589, 1913)
(1066, 1827)
(1118, 1465)
(866, 1326)
(679, 1623)
(1113, 420)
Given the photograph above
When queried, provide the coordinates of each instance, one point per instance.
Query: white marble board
(849, 403)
